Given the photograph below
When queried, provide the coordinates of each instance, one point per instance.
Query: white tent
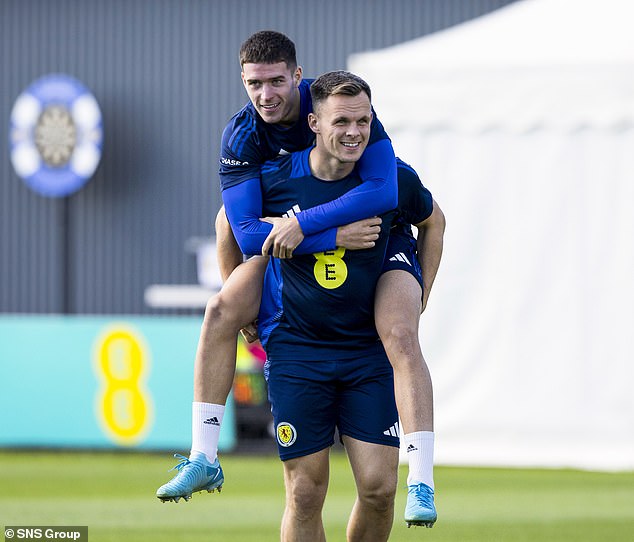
(521, 123)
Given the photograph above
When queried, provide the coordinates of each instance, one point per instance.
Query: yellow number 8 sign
(123, 404)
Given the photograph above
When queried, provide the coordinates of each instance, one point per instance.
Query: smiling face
(272, 89)
(342, 126)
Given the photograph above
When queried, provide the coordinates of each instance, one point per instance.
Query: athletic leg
(306, 482)
(397, 313)
(228, 252)
(303, 399)
(375, 469)
(234, 307)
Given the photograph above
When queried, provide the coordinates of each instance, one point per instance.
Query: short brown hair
(337, 83)
(268, 47)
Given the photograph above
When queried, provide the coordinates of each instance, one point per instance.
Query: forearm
(377, 194)
(287, 238)
(430, 246)
(243, 207)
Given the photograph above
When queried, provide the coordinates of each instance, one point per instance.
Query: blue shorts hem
(303, 453)
(370, 440)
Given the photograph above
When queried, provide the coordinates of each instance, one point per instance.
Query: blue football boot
(420, 509)
(194, 474)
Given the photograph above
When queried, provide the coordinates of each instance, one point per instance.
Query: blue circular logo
(56, 135)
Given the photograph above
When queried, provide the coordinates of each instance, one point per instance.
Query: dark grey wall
(166, 76)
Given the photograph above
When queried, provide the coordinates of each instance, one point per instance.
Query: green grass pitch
(113, 494)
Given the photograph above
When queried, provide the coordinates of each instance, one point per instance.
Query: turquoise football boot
(194, 474)
(420, 510)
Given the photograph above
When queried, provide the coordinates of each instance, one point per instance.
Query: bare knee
(378, 493)
(221, 313)
(306, 497)
(401, 342)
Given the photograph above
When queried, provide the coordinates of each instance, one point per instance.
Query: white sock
(206, 422)
(420, 456)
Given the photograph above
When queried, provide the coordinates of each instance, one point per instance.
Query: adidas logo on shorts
(392, 431)
(400, 257)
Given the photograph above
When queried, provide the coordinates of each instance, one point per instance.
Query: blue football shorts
(309, 399)
(401, 254)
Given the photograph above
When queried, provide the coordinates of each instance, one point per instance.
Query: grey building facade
(166, 76)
